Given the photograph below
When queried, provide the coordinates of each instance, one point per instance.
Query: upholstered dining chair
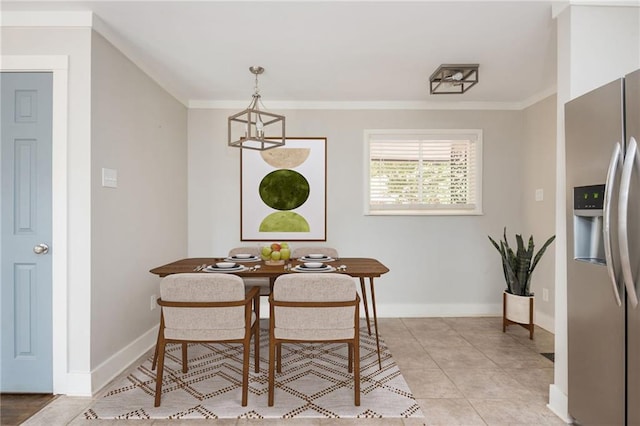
(314, 307)
(263, 283)
(332, 252)
(208, 308)
(304, 251)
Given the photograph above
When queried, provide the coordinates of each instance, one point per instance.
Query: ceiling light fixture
(248, 129)
(453, 78)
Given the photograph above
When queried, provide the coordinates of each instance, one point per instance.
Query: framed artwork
(284, 192)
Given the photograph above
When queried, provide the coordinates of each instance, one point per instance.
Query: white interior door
(26, 117)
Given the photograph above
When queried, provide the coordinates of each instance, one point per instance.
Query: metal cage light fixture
(248, 129)
(453, 79)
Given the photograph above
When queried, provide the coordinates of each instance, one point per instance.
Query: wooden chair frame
(353, 344)
(250, 330)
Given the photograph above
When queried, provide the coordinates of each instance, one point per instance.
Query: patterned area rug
(314, 383)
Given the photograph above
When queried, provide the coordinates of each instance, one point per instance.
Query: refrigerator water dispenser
(587, 224)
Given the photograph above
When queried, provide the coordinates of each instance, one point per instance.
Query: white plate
(314, 259)
(299, 268)
(242, 259)
(213, 268)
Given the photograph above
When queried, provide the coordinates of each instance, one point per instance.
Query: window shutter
(424, 172)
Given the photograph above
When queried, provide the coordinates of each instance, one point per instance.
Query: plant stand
(517, 310)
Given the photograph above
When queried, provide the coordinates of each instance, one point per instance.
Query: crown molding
(606, 3)
(557, 7)
(82, 19)
(124, 46)
(377, 105)
(361, 105)
(538, 97)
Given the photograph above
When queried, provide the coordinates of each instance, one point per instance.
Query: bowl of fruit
(275, 254)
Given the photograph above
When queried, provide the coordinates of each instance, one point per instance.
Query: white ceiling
(329, 51)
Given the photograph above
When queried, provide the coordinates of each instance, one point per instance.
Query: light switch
(539, 194)
(109, 178)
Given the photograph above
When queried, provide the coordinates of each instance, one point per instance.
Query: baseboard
(559, 404)
(112, 367)
(390, 310)
(78, 384)
(545, 321)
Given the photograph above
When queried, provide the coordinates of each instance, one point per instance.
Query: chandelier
(254, 128)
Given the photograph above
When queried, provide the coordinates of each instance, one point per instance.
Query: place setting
(242, 258)
(225, 267)
(313, 267)
(316, 258)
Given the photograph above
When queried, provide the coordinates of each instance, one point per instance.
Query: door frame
(59, 66)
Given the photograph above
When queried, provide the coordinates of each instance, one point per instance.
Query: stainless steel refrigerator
(602, 129)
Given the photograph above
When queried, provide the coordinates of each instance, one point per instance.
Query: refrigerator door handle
(623, 208)
(614, 165)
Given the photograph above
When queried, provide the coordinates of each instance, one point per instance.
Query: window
(424, 172)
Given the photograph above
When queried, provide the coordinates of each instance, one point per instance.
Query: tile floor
(462, 371)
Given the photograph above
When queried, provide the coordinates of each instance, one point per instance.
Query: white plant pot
(518, 308)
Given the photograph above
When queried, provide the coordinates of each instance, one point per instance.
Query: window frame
(436, 134)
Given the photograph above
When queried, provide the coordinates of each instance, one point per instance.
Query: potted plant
(518, 267)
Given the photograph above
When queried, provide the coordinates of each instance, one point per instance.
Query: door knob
(41, 248)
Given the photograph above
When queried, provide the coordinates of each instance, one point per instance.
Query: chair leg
(279, 357)
(184, 358)
(272, 356)
(256, 348)
(155, 353)
(161, 348)
(350, 348)
(356, 369)
(245, 370)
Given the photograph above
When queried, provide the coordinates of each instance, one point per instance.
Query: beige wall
(138, 129)
(439, 265)
(539, 173)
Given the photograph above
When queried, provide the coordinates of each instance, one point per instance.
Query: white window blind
(424, 172)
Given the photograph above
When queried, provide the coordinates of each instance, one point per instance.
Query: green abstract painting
(283, 192)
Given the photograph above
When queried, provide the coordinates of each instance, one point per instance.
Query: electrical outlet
(154, 303)
(545, 294)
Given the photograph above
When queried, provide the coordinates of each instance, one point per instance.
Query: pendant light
(255, 128)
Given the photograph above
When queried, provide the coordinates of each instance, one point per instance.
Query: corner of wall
(559, 404)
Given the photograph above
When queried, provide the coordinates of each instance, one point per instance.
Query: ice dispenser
(587, 224)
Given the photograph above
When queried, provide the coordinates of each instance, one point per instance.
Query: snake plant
(518, 266)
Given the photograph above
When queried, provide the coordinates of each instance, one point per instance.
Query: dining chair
(263, 283)
(332, 252)
(208, 308)
(304, 251)
(314, 307)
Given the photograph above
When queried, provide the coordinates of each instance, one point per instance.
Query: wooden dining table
(358, 267)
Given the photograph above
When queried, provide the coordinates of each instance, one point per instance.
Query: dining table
(363, 268)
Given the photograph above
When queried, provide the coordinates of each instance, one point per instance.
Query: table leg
(366, 305)
(375, 320)
(155, 354)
